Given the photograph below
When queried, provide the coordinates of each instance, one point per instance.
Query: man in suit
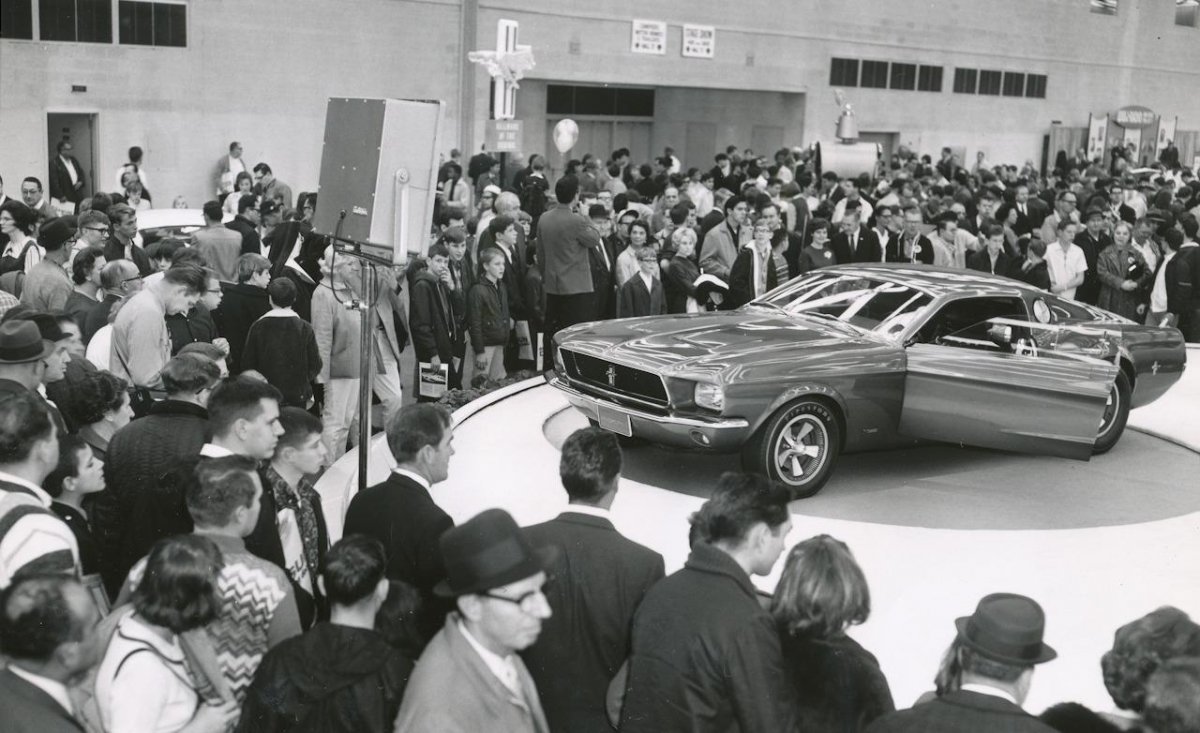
(1031, 212)
(602, 259)
(246, 224)
(66, 176)
(855, 243)
(1121, 211)
(600, 577)
(34, 197)
(228, 168)
(1092, 240)
(49, 636)
(992, 257)
(564, 239)
(401, 513)
(1066, 207)
(121, 245)
(992, 669)
(886, 218)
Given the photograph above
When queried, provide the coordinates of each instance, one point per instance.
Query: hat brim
(544, 560)
(1045, 652)
(48, 348)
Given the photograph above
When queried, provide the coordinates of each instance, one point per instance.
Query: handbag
(141, 399)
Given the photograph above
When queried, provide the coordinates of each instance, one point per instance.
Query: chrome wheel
(801, 449)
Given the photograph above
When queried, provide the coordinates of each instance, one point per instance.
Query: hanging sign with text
(502, 136)
(699, 41)
(649, 36)
(1135, 118)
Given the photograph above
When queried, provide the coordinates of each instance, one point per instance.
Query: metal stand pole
(365, 373)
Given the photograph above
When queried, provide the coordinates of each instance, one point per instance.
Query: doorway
(600, 137)
(79, 129)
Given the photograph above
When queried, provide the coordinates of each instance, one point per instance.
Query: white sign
(649, 36)
(699, 41)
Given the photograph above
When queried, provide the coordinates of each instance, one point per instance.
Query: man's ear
(382, 588)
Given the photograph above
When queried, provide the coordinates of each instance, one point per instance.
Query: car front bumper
(716, 434)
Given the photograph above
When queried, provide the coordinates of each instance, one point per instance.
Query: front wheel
(797, 447)
(1116, 414)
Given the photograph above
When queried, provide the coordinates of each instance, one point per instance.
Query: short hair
(993, 230)
(69, 448)
(566, 189)
(208, 350)
(415, 426)
(238, 398)
(1140, 646)
(233, 145)
(36, 618)
(591, 460)
(682, 235)
(24, 421)
(984, 666)
(353, 568)
(193, 279)
(247, 202)
(23, 217)
(135, 154)
(679, 214)
(84, 264)
(262, 168)
(914, 210)
(165, 249)
(34, 180)
(116, 272)
(822, 590)
(732, 202)
(437, 250)
(740, 501)
(191, 257)
(179, 585)
(220, 486)
(1063, 223)
(212, 210)
(93, 216)
(118, 213)
(282, 292)
(1191, 226)
(298, 425)
(500, 223)
(1173, 697)
(249, 265)
(506, 203)
(94, 395)
(189, 373)
(487, 254)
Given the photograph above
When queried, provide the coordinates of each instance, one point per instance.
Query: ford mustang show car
(864, 357)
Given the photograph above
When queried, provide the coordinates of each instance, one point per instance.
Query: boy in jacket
(432, 318)
(488, 319)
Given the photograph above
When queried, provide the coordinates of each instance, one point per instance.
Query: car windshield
(871, 304)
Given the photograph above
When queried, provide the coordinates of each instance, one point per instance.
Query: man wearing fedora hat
(470, 678)
(33, 350)
(987, 674)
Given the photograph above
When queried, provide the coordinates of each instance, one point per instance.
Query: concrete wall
(257, 72)
(260, 72)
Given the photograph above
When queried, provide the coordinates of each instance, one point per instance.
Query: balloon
(566, 134)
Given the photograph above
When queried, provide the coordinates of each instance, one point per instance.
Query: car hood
(713, 341)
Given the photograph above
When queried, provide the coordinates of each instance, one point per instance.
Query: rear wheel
(1116, 414)
(798, 447)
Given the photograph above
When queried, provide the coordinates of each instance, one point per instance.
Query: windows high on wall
(128, 22)
(999, 83)
(872, 74)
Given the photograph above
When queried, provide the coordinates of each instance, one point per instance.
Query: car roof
(157, 218)
(937, 281)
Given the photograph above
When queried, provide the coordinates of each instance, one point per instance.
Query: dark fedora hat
(21, 342)
(1008, 628)
(488, 551)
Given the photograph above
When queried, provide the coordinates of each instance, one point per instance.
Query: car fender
(798, 391)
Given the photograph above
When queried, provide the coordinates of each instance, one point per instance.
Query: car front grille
(610, 377)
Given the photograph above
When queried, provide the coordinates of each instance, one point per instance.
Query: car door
(1013, 397)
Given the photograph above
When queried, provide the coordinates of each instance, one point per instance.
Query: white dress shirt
(502, 667)
(1064, 265)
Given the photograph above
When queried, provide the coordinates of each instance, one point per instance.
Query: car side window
(964, 313)
(1061, 310)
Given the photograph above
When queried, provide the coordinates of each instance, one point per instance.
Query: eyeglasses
(98, 229)
(527, 602)
(131, 279)
(215, 291)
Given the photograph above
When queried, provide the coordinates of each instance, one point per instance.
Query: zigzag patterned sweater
(258, 610)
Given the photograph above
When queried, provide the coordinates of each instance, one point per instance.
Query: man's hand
(435, 362)
(1128, 285)
(222, 344)
(481, 362)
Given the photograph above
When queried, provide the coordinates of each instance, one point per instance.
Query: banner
(1097, 137)
(1166, 133)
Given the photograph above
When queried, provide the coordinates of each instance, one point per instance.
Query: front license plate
(616, 422)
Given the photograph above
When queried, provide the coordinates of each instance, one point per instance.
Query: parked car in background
(867, 357)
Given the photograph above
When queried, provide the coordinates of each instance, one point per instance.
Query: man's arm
(759, 692)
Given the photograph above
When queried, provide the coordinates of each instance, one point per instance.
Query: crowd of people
(166, 405)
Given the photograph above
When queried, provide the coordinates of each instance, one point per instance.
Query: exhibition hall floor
(1098, 543)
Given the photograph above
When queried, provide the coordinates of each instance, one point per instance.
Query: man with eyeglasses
(33, 196)
(1066, 206)
(497, 579)
(118, 279)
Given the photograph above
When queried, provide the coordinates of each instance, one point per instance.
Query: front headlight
(710, 396)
